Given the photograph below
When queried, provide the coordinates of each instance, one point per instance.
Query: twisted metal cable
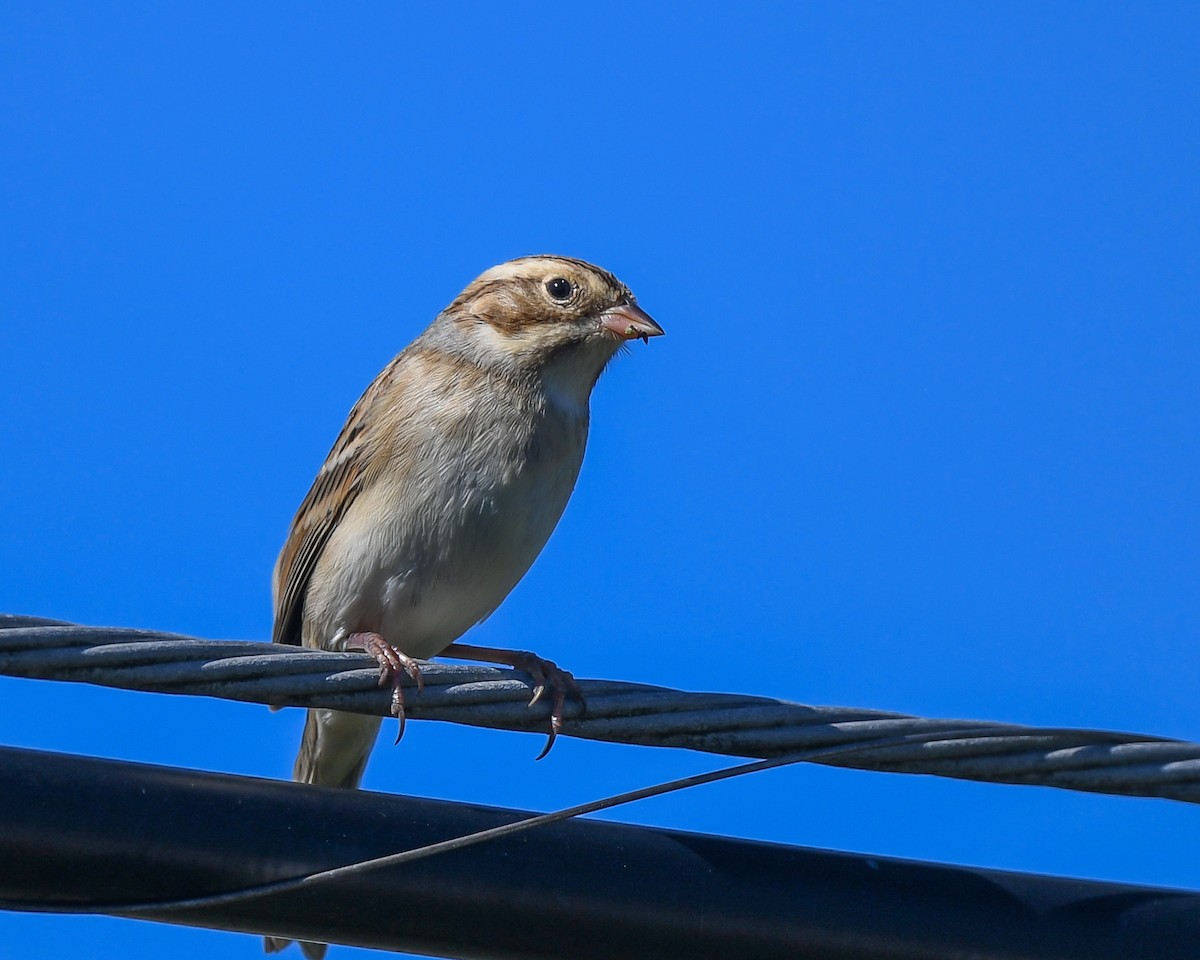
(731, 724)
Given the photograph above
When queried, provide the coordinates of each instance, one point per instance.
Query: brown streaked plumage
(447, 478)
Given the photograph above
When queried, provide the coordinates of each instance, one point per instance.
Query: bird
(445, 483)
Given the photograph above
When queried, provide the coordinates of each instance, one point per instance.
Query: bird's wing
(342, 477)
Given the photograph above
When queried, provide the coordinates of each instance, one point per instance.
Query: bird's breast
(433, 548)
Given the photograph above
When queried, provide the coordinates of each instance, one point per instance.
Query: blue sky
(922, 436)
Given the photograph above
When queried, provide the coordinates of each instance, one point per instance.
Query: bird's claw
(548, 675)
(392, 665)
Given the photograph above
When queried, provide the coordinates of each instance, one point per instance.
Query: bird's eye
(559, 288)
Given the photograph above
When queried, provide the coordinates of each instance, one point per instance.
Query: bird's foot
(393, 664)
(547, 676)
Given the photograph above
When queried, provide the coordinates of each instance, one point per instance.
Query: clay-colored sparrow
(445, 483)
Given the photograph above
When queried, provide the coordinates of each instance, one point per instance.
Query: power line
(1089, 760)
(84, 835)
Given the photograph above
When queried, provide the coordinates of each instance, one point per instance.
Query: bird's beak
(630, 322)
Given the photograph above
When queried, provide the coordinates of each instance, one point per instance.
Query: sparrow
(446, 481)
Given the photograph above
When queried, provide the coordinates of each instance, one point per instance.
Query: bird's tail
(311, 951)
(333, 753)
(334, 748)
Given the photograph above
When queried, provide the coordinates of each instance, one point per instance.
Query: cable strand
(720, 723)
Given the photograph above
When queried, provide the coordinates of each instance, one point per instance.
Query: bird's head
(553, 315)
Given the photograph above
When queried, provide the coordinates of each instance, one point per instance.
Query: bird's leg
(392, 665)
(546, 675)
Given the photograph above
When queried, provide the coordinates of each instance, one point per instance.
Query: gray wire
(721, 723)
(440, 847)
